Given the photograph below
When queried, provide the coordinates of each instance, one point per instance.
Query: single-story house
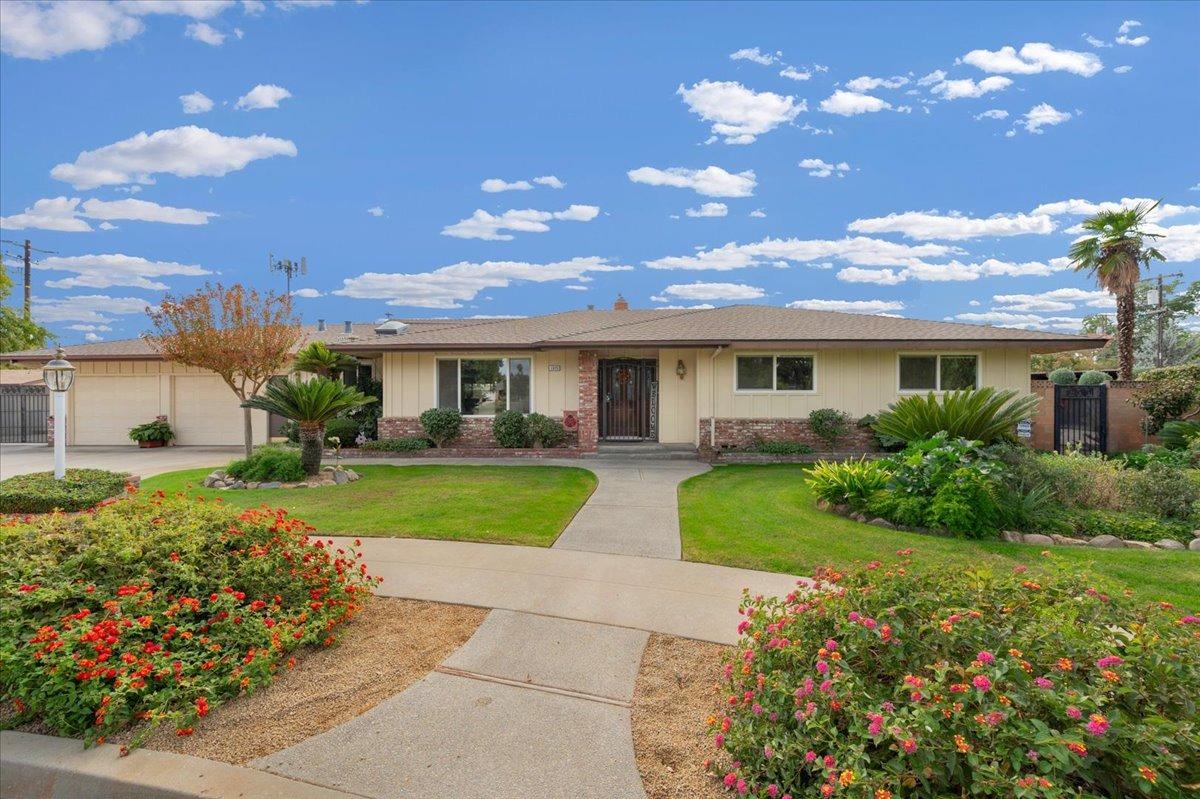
(702, 377)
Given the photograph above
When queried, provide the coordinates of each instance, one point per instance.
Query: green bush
(546, 432)
(158, 430)
(1136, 526)
(344, 429)
(1080, 481)
(968, 504)
(442, 425)
(397, 445)
(847, 482)
(1062, 376)
(1093, 377)
(781, 448)
(930, 682)
(829, 424)
(1171, 392)
(268, 464)
(160, 608)
(79, 489)
(982, 414)
(290, 430)
(1179, 434)
(1160, 489)
(884, 442)
(511, 429)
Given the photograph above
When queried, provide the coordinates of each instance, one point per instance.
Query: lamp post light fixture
(59, 374)
(681, 369)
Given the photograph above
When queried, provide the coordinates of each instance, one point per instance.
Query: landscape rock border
(328, 476)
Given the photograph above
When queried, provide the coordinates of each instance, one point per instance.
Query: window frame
(458, 359)
(977, 355)
(775, 356)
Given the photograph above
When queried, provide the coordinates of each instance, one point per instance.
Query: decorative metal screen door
(628, 399)
(1081, 418)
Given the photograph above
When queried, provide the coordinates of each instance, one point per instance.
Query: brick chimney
(621, 304)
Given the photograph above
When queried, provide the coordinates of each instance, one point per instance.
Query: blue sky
(891, 158)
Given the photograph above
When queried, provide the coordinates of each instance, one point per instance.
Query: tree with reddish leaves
(244, 336)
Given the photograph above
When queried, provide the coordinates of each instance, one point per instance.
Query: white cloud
(1094, 41)
(59, 213)
(549, 180)
(1179, 243)
(935, 77)
(974, 303)
(822, 169)
(107, 226)
(203, 32)
(992, 113)
(103, 271)
(859, 251)
(65, 214)
(195, 103)
(375, 211)
(494, 185)
(1064, 299)
(867, 83)
(849, 306)
(709, 291)
(1040, 116)
(758, 213)
(951, 271)
(264, 95)
(483, 225)
(453, 285)
(1123, 69)
(1033, 58)
(1076, 207)
(701, 306)
(791, 73)
(88, 308)
(848, 104)
(739, 115)
(708, 210)
(816, 131)
(291, 5)
(711, 181)
(47, 30)
(953, 226)
(1126, 27)
(307, 293)
(90, 328)
(1020, 320)
(958, 89)
(186, 152)
(575, 287)
(755, 55)
(882, 277)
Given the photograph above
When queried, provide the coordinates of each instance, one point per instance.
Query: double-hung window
(775, 373)
(484, 386)
(949, 372)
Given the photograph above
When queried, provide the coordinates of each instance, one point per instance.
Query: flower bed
(159, 608)
(901, 682)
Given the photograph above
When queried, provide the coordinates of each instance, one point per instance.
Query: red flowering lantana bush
(158, 608)
(894, 682)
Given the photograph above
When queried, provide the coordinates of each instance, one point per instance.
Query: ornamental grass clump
(904, 681)
(156, 609)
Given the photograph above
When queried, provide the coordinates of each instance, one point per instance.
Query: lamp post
(59, 374)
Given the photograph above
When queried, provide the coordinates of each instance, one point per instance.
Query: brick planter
(466, 452)
(745, 433)
(475, 434)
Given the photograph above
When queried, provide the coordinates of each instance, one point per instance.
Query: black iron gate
(628, 399)
(1081, 418)
(23, 412)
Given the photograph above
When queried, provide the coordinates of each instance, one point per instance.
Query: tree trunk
(312, 441)
(248, 431)
(1126, 316)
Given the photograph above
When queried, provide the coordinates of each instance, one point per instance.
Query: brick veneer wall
(1124, 418)
(739, 433)
(476, 432)
(589, 412)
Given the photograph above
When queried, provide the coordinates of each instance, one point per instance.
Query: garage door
(207, 413)
(106, 407)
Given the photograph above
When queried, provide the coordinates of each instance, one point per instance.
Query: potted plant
(152, 434)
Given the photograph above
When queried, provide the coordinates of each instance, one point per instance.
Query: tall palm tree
(310, 404)
(1115, 255)
(316, 358)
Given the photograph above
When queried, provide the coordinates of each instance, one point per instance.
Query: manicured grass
(497, 504)
(765, 517)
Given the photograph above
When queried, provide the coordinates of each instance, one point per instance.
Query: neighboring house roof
(734, 325)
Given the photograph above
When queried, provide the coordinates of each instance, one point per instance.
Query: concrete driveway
(24, 458)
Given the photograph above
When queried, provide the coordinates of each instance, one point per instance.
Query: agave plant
(981, 414)
(310, 404)
(316, 358)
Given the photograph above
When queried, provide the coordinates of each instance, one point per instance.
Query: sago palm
(316, 358)
(310, 404)
(1115, 254)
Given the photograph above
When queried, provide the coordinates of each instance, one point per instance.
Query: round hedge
(1062, 377)
(1093, 377)
(79, 489)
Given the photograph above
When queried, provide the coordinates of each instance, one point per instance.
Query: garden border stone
(328, 476)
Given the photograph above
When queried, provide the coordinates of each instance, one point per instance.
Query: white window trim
(938, 354)
(775, 356)
(458, 359)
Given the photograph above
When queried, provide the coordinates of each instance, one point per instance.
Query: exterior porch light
(681, 369)
(59, 375)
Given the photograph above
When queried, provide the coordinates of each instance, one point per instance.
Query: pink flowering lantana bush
(901, 682)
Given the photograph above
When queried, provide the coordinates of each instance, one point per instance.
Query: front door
(629, 399)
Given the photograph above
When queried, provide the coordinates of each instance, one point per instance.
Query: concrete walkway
(25, 458)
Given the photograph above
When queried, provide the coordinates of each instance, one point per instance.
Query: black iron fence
(23, 412)
(1081, 418)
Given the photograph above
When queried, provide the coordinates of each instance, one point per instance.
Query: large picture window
(938, 372)
(775, 373)
(484, 386)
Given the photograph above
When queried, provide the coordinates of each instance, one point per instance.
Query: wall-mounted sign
(1025, 428)
(556, 367)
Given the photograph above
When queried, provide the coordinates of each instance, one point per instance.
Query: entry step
(643, 450)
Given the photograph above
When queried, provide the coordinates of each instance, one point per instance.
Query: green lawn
(497, 504)
(765, 517)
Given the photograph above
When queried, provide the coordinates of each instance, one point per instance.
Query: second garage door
(208, 414)
(106, 406)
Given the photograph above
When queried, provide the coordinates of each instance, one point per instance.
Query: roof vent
(621, 304)
(349, 328)
(391, 327)
(591, 307)
(320, 325)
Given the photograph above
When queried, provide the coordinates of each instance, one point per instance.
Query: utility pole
(1160, 318)
(1158, 344)
(28, 279)
(289, 268)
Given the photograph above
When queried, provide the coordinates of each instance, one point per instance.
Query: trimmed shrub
(913, 681)
(158, 430)
(397, 445)
(79, 489)
(782, 448)
(1137, 526)
(982, 414)
(1062, 376)
(269, 464)
(442, 425)
(160, 608)
(848, 482)
(829, 424)
(511, 429)
(345, 429)
(1093, 377)
(544, 431)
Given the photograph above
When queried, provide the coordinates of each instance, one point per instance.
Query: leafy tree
(310, 404)
(241, 335)
(1115, 255)
(316, 358)
(17, 332)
